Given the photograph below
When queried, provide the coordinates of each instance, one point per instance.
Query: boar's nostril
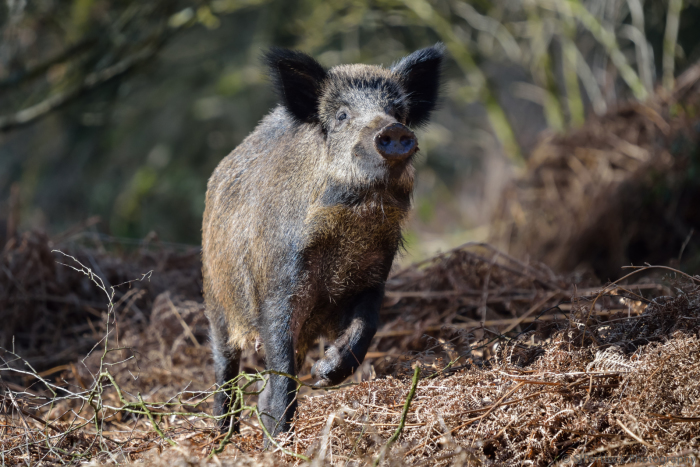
(395, 142)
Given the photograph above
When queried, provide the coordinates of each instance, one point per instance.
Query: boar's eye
(341, 116)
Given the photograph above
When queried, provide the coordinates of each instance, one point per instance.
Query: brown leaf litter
(633, 390)
(519, 367)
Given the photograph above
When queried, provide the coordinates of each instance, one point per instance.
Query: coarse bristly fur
(303, 219)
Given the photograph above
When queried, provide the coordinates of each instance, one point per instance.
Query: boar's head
(364, 113)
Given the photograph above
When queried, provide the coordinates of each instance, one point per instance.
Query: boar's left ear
(297, 79)
(420, 76)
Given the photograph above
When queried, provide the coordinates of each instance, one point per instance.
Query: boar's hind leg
(227, 359)
(347, 352)
(277, 402)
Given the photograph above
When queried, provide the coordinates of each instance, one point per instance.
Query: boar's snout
(395, 142)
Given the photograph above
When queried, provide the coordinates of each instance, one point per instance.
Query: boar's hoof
(331, 369)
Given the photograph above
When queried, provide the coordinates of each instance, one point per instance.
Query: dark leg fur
(227, 360)
(349, 350)
(278, 401)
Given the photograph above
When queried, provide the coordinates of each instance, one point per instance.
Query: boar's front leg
(348, 351)
(277, 402)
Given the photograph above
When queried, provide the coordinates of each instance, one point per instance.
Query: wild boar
(303, 219)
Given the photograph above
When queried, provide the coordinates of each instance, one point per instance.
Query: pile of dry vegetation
(51, 315)
(622, 189)
(518, 366)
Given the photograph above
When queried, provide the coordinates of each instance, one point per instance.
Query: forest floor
(506, 362)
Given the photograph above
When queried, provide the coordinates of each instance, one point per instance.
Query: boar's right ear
(420, 76)
(297, 78)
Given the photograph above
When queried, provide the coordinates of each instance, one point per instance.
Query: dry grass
(632, 390)
(556, 369)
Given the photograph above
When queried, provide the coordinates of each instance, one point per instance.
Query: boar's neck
(369, 197)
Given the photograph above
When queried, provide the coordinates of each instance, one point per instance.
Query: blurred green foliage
(123, 108)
